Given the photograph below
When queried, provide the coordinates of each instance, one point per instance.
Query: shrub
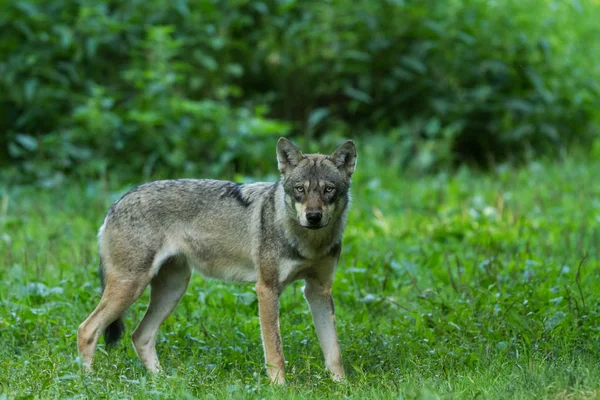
(91, 87)
(145, 87)
(448, 81)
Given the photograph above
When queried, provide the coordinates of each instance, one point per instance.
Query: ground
(450, 286)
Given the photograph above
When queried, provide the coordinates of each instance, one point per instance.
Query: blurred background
(134, 89)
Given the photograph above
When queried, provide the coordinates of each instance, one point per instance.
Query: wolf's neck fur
(311, 244)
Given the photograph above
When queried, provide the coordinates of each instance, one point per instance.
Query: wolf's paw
(276, 376)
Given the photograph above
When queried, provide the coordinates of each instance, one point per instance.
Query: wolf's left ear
(344, 157)
(288, 155)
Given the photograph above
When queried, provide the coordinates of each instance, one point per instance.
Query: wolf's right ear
(288, 155)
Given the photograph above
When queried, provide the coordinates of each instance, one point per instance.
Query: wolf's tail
(115, 330)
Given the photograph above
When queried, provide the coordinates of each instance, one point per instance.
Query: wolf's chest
(290, 270)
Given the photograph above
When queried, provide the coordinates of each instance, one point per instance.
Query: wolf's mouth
(314, 227)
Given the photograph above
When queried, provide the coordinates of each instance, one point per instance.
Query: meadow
(462, 285)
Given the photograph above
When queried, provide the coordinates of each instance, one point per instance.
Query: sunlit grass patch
(449, 286)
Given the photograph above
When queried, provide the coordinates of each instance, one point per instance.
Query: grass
(458, 286)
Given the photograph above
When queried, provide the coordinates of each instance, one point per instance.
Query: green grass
(458, 286)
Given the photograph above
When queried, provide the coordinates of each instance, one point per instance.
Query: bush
(448, 81)
(144, 87)
(98, 87)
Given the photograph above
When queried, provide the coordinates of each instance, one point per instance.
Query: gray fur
(255, 232)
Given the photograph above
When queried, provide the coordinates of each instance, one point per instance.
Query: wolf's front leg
(268, 310)
(320, 301)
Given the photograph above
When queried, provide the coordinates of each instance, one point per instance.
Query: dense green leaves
(197, 86)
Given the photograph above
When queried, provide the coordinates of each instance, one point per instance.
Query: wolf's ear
(288, 155)
(344, 157)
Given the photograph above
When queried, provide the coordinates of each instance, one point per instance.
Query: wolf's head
(316, 186)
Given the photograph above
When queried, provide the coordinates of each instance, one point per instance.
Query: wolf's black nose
(314, 217)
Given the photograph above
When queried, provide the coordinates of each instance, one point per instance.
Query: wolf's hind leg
(167, 288)
(118, 295)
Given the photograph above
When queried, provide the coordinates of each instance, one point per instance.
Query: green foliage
(193, 86)
(447, 81)
(91, 87)
(453, 287)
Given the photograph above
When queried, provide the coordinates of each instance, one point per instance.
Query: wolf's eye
(329, 189)
(300, 189)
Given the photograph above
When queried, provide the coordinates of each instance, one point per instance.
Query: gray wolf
(268, 233)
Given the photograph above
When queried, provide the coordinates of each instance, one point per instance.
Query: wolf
(267, 233)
